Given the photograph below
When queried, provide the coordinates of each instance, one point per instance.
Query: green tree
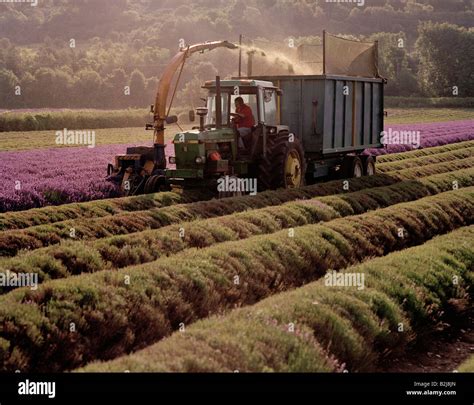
(151, 87)
(114, 89)
(190, 96)
(137, 89)
(50, 88)
(446, 52)
(394, 64)
(88, 89)
(8, 81)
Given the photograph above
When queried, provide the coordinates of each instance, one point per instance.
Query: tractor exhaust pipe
(250, 63)
(201, 123)
(218, 103)
(202, 112)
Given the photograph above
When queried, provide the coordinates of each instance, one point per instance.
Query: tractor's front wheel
(284, 165)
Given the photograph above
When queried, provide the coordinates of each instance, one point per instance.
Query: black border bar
(356, 387)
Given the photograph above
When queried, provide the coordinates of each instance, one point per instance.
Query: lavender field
(431, 134)
(309, 227)
(56, 176)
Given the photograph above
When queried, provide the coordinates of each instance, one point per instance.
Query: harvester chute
(142, 169)
(160, 111)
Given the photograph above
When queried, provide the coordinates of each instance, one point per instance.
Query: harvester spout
(164, 87)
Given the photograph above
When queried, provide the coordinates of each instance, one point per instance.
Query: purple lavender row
(405, 137)
(56, 176)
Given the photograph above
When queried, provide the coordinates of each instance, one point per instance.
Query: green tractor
(212, 155)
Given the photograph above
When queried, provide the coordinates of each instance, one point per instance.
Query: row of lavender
(63, 175)
(56, 176)
(403, 137)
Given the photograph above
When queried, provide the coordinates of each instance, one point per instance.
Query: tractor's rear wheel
(284, 166)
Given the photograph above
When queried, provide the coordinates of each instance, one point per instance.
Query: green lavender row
(11, 242)
(70, 322)
(73, 258)
(321, 328)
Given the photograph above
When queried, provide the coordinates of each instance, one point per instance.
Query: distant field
(421, 115)
(24, 140)
(38, 120)
(10, 141)
(423, 102)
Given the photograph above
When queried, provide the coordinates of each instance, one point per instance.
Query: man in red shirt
(243, 118)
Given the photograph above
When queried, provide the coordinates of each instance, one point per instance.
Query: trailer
(336, 119)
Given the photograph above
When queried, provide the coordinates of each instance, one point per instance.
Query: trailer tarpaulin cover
(350, 58)
(343, 57)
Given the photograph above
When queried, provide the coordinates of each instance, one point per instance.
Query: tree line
(96, 54)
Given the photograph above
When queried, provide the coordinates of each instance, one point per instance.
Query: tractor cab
(260, 96)
(211, 150)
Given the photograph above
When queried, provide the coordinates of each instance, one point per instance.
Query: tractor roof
(239, 82)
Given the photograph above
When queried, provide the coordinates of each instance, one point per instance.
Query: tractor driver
(243, 119)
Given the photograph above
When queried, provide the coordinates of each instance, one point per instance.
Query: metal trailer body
(334, 116)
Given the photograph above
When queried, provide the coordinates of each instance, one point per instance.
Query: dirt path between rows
(443, 351)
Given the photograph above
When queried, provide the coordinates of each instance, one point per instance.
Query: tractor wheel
(352, 167)
(227, 194)
(155, 184)
(284, 166)
(369, 169)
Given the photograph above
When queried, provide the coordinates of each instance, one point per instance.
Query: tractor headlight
(200, 159)
(172, 160)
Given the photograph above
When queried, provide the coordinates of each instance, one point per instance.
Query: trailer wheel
(352, 167)
(284, 165)
(155, 184)
(369, 169)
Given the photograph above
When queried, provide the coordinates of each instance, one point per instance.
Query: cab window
(211, 106)
(270, 106)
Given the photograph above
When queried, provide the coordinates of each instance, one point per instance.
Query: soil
(443, 351)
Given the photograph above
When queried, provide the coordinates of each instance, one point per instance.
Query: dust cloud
(273, 62)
